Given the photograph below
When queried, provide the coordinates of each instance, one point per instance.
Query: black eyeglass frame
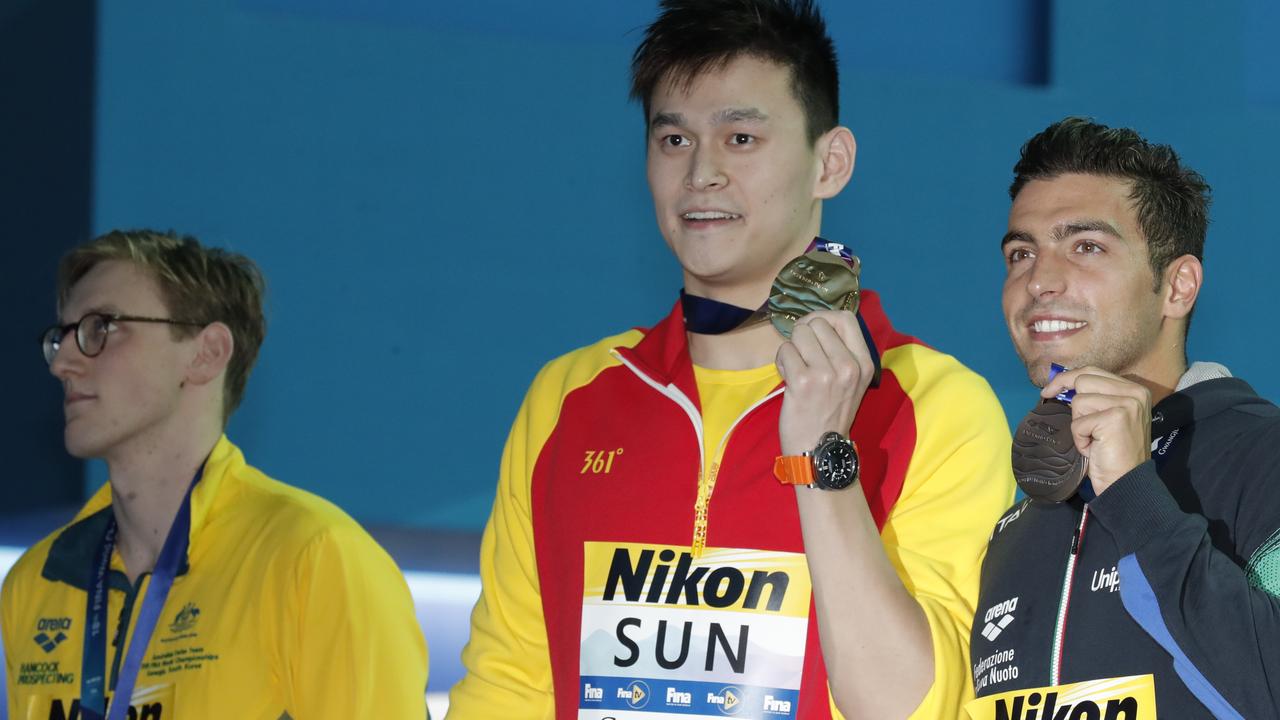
(51, 339)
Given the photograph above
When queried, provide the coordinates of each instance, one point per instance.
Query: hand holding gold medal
(827, 362)
(828, 359)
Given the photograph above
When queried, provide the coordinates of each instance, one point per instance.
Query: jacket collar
(663, 354)
(71, 555)
(1204, 399)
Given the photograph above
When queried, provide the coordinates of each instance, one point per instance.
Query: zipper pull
(1079, 533)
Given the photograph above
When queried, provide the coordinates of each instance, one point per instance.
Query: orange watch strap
(793, 469)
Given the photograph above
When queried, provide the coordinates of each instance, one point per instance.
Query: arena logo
(998, 617)
(49, 632)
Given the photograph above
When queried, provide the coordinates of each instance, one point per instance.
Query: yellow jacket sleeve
(958, 483)
(508, 666)
(358, 649)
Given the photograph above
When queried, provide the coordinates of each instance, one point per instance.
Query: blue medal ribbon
(93, 672)
(711, 317)
(1065, 396)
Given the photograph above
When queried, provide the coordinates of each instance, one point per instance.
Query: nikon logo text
(722, 587)
(1029, 708)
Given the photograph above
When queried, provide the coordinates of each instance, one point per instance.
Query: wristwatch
(833, 465)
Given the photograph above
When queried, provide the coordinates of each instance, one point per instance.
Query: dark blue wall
(445, 196)
(47, 56)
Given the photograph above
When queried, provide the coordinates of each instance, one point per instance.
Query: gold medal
(818, 280)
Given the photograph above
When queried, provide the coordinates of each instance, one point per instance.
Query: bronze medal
(1046, 463)
(817, 280)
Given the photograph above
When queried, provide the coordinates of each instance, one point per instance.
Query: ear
(836, 150)
(1182, 281)
(214, 345)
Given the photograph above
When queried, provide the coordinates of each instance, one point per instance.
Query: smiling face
(134, 386)
(1079, 286)
(736, 183)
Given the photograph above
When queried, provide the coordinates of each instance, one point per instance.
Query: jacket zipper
(123, 625)
(706, 475)
(1064, 602)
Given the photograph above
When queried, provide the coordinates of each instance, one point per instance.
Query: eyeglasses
(91, 332)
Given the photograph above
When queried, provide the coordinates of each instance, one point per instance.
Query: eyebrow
(1064, 230)
(723, 117)
(107, 309)
(1061, 231)
(733, 115)
(666, 119)
(1015, 236)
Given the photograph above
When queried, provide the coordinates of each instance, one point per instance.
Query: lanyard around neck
(93, 672)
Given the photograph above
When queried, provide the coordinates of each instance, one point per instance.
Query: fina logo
(679, 698)
(636, 694)
(728, 701)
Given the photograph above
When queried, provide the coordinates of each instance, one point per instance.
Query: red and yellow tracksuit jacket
(594, 604)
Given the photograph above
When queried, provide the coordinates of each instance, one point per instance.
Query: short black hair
(1172, 200)
(693, 36)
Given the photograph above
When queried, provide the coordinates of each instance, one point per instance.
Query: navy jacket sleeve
(1222, 630)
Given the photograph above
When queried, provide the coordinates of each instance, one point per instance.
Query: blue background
(444, 196)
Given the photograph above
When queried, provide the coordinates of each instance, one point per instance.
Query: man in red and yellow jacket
(643, 557)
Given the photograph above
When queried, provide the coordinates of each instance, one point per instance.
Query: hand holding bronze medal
(1046, 463)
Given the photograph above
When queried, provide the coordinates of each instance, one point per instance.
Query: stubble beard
(1117, 353)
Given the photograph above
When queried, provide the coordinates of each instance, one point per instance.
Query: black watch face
(835, 465)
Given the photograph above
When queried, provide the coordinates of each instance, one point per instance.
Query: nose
(705, 170)
(68, 360)
(1047, 277)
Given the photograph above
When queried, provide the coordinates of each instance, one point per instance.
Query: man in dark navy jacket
(1152, 591)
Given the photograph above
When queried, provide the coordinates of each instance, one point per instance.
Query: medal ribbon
(93, 673)
(1066, 395)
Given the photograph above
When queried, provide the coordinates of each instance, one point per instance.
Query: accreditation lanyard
(93, 672)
